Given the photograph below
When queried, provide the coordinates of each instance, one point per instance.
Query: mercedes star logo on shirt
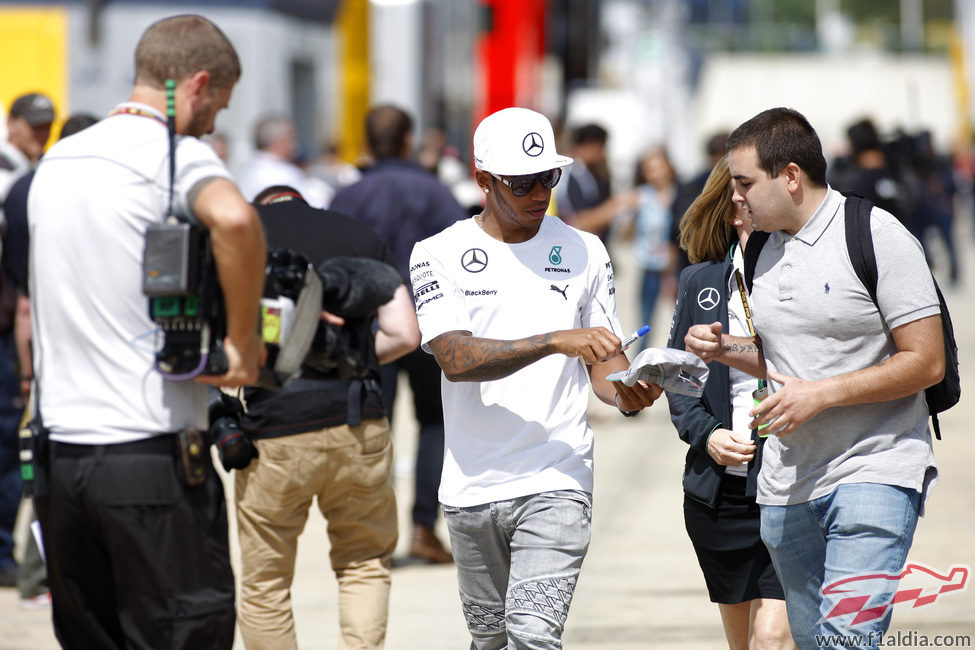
(474, 260)
(708, 298)
(533, 144)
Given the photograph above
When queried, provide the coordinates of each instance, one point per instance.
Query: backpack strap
(859, 243)
(753, 247)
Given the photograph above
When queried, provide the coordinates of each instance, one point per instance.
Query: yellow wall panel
(33, 46)
(352, 27)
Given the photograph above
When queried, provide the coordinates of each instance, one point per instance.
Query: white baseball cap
(516, 141)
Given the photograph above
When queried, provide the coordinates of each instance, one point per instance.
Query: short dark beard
(506, 210)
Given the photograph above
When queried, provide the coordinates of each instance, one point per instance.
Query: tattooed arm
(464, 357)
(741, 352)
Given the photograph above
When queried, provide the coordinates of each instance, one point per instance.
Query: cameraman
(325, 436)
(137, 557)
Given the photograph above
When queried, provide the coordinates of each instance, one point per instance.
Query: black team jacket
(696, 418)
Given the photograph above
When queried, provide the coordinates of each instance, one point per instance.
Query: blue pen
(629, 340)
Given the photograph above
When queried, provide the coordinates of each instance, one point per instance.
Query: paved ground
(641, 587)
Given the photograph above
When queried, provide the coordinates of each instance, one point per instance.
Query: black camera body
(350, 287)
(185, 301)
(234, 448)
(290, 315)
(180, 279)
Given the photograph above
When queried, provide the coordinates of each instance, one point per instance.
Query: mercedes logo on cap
(708, 298)
(474, 260)
(533, 144)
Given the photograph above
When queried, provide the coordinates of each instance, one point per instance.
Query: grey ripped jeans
(517, 565)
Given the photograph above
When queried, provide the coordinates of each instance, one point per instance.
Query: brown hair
(782, 136)
(706, 232)
(178, 46)
(386, 129)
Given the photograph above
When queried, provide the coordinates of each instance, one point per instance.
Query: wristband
(708, 439)
(626, 414)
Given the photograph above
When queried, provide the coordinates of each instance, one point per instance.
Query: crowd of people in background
(901, 172)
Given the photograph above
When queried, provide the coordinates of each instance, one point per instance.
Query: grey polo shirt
(817, 320)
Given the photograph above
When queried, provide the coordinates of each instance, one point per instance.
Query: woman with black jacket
(724, 455)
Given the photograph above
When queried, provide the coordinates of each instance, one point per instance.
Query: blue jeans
(424, 376)
(517, 565)
(11, 410)
(649, 291)
(858, 529)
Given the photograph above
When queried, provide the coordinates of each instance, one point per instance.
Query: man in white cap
(28, 129)
(507, 302)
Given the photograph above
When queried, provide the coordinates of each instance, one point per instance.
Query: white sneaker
(42, 601)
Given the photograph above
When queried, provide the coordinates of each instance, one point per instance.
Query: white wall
(395, 33)
(832, 91)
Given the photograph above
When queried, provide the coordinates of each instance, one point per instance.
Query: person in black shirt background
(404, 203)
(322, 436)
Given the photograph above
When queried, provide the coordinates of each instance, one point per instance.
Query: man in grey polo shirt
(845, 476)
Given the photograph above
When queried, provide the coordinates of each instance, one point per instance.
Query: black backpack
(859, 243)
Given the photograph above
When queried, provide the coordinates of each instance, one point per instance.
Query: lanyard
(744, 302)
(129, 110)
(748, 313)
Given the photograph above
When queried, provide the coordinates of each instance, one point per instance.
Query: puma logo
(562, 291)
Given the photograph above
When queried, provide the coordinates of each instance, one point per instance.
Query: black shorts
(736, 565)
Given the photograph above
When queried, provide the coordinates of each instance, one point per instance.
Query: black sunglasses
(522, 185)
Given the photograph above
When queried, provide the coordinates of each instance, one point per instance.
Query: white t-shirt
(91, 200)
(265, 170)
(526, 433)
